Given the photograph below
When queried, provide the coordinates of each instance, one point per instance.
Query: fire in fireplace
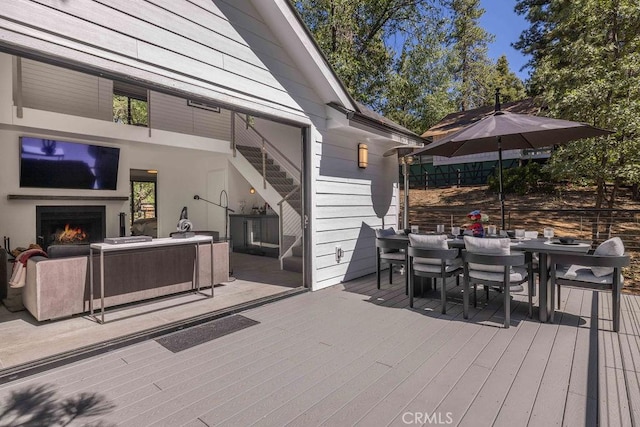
(70, 225)
(70, 234)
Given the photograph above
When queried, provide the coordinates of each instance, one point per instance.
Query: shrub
(530, 178)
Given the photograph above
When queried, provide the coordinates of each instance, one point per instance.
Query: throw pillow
(611, 247)
(428, 242)
(383, 232)
(487, 246)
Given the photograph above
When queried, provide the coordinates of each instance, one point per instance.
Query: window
(130, 104)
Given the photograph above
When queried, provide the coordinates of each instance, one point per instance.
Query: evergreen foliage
(413, 61)
(530, 178)
(586, 62)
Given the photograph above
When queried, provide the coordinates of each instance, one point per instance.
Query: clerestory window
(130, 104)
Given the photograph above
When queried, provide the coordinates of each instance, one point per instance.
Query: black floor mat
(196, 335)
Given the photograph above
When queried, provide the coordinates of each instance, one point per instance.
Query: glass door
(143, 193)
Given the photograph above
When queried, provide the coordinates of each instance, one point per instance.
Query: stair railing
(258, 140)
(283, 250)
(264, 164)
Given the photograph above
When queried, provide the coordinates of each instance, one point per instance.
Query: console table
(101, 248)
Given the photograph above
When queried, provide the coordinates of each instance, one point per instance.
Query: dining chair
(430, 256)
(489, 262)
(391, 252)
(599, 271)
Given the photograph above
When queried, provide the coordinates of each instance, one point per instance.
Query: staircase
(280, 189)
(293, 262)
(276, 177)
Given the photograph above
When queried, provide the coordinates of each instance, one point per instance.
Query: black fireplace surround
(83, 225)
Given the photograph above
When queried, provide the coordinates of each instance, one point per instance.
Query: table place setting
(567, 241)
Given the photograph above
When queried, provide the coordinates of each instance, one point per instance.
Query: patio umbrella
(509, 131)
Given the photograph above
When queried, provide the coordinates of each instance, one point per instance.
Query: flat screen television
(51, 163)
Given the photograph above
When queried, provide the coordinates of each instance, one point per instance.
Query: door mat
(201, 334)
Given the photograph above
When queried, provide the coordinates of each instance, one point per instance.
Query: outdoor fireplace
(69, 225)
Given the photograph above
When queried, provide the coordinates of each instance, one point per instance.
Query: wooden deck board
(298, 378)
(356, 355)
(251, 367)
(487, 403)
(582, 403)
(551, 396)
(406, 366)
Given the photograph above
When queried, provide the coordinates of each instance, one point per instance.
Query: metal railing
(244, 130)
(292, 231)
(586, 223)
(290, 219)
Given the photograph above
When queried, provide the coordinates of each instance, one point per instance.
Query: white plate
(579, 245)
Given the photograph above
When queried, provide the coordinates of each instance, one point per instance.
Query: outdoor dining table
(540, 246)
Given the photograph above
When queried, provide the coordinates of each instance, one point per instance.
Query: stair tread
(275, 176)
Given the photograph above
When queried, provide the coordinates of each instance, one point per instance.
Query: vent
(203, 106)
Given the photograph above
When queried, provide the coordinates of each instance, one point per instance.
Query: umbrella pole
(500, 181)
(405, 213)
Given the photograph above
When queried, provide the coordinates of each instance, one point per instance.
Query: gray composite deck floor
(355, 355)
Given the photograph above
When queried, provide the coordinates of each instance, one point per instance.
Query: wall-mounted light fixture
(252, 190)
(363, 156)
(152, 171)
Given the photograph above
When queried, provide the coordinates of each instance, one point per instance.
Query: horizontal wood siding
(350, 204)
(50, 88)
(212, 125)
(193, 39)
(170, 113)
(174, 114)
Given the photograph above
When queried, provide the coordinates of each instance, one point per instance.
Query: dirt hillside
(450, 206)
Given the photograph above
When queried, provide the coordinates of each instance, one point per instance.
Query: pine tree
(472, 69)
(586, 60)
(510, 85)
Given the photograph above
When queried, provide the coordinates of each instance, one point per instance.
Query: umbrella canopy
(509, 131)
(516, 131)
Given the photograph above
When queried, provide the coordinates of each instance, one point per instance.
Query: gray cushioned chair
(489, 262)
(600, 271)
(430, 256)
(392, 252)
(514, 273)
(448, 264)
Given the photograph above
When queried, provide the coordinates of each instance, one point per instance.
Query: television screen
(50, 163)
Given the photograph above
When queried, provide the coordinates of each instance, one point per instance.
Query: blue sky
(500, 20)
